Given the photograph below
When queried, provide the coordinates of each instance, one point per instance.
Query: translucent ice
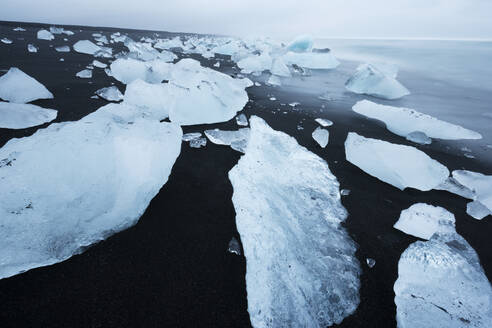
(300, 265)
(75, 183)
(20, 116)
(111, 93)
(370, 80)
(324, 122)
(403, 121)
(86, 47)
(477, 210)
(301, 43)
(45, 35)
(422, 220)
(399, 165)
(32, 48)
(419, 137)
(242, 120)
(84, 74)
(18, 87)
(222, 137)
(321, 136)
(480, 184)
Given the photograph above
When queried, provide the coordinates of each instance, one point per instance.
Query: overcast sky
(277, 18)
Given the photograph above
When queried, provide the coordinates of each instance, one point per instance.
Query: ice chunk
(344, 192)
(279, 68)
(32, 48)
(20, 116)
(153, 99)
(301, 43)
(75, 183)
(442, 284)
(60, 30)
(63, 49)
(321, 136)
(169, 43)
(111, 93)
(311, 60)
(419, 137)
(19, 29)
(453, 186)
(422, 220)
(217, 64)
(479, 183)
(370, 262)
(45, 35)
(324, 122)
(167, 56)
(6, 41)
(191, 136)
(274, 81)
(198, 142)
(399, 165)
(18, 87)
(127, 70)
(403, 121)
(84, 74)
(301, 266)
(370, 80)
(234, 247)
(242, 120)
(221, 137)
(255, 64)
(477, 210)
(97, 63)
(86, 47)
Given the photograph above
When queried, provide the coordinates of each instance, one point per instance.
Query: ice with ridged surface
(403, 121)
(423, 220)
(73, 184)
(311, 60)
(86, 47)
(399, 165)
(321, 136)
(18, 87)
(84, 74)
(371, 80)
(45, 35)
(442, 284)
(111, 93)
(21, 116)
(301, 269)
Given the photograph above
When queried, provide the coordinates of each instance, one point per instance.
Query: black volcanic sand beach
(172, 269)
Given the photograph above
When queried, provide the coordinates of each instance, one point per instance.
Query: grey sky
(282, 18)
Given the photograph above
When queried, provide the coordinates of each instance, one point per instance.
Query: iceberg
(18, 87)
(324, 122)
(32, 48)
(423, 220)
(442, 284)
(311, 60)
(21, 116)
(237, 139)
(111, 93)
(63, 49)
(6, 41)
(404, 121)
(302, 43)
(75, 183)
(84, 74)
(399, 165)
(242, 120)
(321, 136)
(153, 99)
(373, 81)
(301, 269)
(45, 35)
(86, 47)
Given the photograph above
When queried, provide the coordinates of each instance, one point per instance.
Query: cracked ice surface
(301, 268)
(48, 213)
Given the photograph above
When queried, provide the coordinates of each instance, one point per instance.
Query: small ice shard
(86, 47)
(87, 180)
(62, 59)
(111, 93)
(311, 60)
(477, 210)
(21, 116)
(227, 138)
(370, 80)
(191, 136)
(19, 29)
(419, 137)
(63, 49)
(234, 247)
(301, 265)
(279, 68)
(84, 74)
(242, 120)
(370, 262)
(32, 48)
(422, 220)
(294, 104)
(301, 43)
(273, 98)
(324, 122)
(198, 142)
(257, 84)
(479, 183)
(153, 99)
(454, 187)
(97, 63)
(18, 87)
(404, 121)
(255, 64)
(217, 64)
(399, 165)
(345, 192)
(274, 81)
(442, 284)
(45, 35)
(321, 136)
(6, 41)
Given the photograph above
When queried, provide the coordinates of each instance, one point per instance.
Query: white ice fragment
(423, 220)
(86, 47)
(20, 116)
(419, 138)
(242, 120)
(63, 49)
(18, 87)
(97, 63)
(344, 192)
(45, 35)
(6, 41)
(32, 48)
(399, 165)
(152, 99)
(301, 265)
(127, 70)
(217, 64)
(480, 184)
(111, 93)
(370, 80)
(477, 210)
(198, 142)
(301, 43)
(321, 136)
(442, 284)
(403, 121)
(311, 60)
(221, 137)
(19, 29)
(324, 122)
(234, 247)
(84, 74)
(190, 136)
(255, 63)
(370, 262)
